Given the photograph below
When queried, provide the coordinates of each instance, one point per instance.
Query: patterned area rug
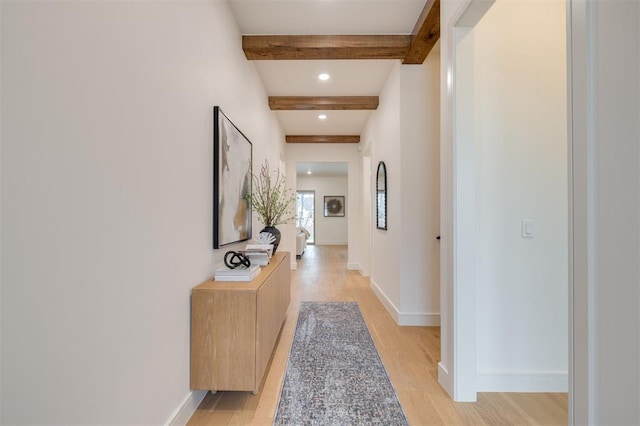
(334, 375)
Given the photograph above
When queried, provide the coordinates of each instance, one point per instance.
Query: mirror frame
(382, 168)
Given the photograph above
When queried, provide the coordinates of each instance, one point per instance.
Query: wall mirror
(381, 196)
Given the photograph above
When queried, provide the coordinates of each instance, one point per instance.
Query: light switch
(527, 228)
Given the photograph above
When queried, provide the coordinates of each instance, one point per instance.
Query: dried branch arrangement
(270, 198)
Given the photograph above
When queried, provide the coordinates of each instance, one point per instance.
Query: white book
(235, 279)
(252, 270)
(257, 257)
(262, 247)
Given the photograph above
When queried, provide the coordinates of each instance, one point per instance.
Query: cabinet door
(223, 340)
(273, 301)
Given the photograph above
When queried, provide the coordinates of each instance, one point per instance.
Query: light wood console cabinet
(235, 326)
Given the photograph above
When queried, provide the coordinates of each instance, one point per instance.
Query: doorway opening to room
(322, 189)
(305, 213)
(509, 192)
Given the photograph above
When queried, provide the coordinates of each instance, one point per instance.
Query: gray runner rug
(334, 374)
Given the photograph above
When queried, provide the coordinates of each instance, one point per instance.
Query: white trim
(522, 381)
(444, 378)
(354, 267)
(185, 410)
(408, 318)
(419, 319)
(458, 297)
(578, 133)
(331, 243)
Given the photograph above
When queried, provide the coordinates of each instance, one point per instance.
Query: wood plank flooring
(410, 355)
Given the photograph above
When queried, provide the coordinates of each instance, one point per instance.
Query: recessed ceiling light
(308, 172)
(324, 76)
(322, 116)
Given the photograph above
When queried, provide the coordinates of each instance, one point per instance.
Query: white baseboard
(405, 318)
(388, 304)
(523, 381)
(354, 267)
(419, 319)
(444, 378)
(331, 243)
(182, 414)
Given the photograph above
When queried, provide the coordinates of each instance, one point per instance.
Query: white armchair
(301, 241)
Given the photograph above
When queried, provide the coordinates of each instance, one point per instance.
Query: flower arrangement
(270, 198)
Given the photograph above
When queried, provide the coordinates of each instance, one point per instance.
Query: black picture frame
(232, 157)
(334, 206)
(381, 196)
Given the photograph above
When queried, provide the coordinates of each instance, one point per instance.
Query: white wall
(404, 133)
(606, 183)
(331, 153)
(420, 186)
(521, 173)
(107, 200)
(383, 133)
(367, 212)
(329, 230)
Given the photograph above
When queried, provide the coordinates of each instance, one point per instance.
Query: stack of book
(241, 273)
(268, 248)
(257, 256)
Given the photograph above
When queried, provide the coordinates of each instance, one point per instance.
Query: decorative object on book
(232, 153)
(272, 201)
(240, 273)
(381, 196)
(334, 375)
(334, 205)
(233, 259)
(265, 238)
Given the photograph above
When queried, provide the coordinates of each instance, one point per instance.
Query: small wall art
(334, 206)
(381, 196)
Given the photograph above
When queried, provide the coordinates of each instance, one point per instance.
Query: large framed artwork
(232, 153)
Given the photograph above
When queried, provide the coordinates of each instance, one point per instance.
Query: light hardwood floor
(410, 355)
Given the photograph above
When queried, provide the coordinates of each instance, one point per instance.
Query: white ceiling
(322, 169)
(348, 77)
(326, 16)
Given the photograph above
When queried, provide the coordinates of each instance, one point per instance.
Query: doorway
(508, 241)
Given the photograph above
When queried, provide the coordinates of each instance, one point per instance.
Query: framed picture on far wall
(232, 153)
(334, 205)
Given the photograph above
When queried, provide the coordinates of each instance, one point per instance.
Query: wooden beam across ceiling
(323, 138)
(320, 103)
(425, 34)
(261, 47)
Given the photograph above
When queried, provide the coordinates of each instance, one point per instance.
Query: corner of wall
(189, 405)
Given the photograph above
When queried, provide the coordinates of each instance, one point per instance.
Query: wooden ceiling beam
(320, 103)
(261, 47)
(323, 138)
(425, 34)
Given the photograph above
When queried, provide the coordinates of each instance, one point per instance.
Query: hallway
(410, 355)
